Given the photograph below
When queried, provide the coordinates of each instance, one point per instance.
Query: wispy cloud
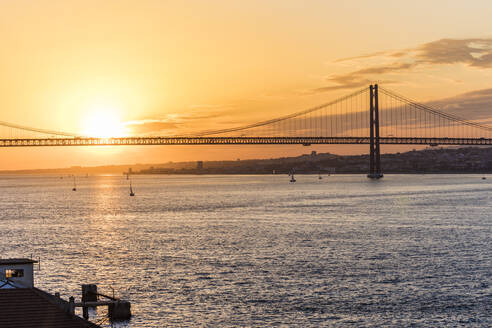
(475, 105)
(375, 54)
(150, 126)
(471, 52)
(190, 118)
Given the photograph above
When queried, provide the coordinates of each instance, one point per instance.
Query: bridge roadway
(306, 141)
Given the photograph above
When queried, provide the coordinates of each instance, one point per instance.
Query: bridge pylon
(374, 144)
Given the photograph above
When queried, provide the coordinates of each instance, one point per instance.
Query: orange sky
(177, 66)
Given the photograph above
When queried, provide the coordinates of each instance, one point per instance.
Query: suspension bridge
(373, 116)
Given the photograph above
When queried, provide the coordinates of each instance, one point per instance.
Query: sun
(103, 122)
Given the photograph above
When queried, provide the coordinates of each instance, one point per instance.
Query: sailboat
(131, 190)
(74, 184)
(292, 179)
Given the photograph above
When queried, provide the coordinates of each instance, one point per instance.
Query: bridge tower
(374, 146)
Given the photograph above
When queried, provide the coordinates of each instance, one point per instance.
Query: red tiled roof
(32, 308)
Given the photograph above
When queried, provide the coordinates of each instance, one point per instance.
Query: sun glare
(103, 123)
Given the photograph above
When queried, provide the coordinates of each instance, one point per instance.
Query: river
(255, 251)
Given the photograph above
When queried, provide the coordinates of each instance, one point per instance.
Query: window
(14, 273)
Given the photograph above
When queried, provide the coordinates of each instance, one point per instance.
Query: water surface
(254, 251)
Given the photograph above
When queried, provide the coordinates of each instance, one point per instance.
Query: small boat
(319, 176)
(375, 175)
(131, 190)
(484, 178)
(292, 179)
(74, 184)
(291, 174)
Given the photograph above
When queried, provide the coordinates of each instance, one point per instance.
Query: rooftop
(34, 308)
(17, 261)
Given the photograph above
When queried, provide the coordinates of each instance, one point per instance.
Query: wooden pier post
(89, 294)
(71, 305)
(119, 310)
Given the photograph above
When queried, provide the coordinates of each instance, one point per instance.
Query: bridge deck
(149, 141)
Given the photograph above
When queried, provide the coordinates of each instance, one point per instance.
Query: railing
(149, 141)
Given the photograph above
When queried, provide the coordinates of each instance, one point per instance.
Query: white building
(17, 273)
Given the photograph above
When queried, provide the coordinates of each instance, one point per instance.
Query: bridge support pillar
(374, 146)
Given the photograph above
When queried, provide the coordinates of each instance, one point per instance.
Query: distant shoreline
(65, 176)
(465, 160)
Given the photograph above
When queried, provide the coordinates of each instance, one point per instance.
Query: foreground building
(24, 306)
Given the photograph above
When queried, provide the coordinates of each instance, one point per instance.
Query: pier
(117, 309)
